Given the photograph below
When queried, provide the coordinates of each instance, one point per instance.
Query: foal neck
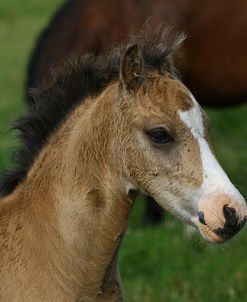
(90, 202)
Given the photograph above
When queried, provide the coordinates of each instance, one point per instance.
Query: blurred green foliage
(165, 263)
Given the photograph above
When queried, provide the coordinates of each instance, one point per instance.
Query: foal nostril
(232, 225)
(201, 218)
(230, 216)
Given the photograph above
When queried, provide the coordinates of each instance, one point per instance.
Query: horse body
(213, 67)
(62, 224)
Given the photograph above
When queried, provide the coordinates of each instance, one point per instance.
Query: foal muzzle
(221, 217)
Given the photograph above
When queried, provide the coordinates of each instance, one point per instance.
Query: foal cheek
(190, 167)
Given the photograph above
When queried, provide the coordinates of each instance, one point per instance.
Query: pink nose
(221, 216)
(232, 223)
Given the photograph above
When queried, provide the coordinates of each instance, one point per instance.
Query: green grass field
(157, 264)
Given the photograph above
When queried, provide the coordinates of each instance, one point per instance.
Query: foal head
(164, 148)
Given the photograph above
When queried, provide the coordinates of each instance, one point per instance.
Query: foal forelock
(214, 178)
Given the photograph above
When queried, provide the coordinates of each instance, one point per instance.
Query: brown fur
(68, 252)
(61, 228)
(214, 65)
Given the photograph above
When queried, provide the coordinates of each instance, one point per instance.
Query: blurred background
(165, 262)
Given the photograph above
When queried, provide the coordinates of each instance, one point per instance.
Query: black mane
(79, 78)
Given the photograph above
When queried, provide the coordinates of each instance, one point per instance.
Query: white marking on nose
(193, 119)
(214, 177)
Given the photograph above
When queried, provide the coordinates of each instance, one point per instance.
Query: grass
(164, 263)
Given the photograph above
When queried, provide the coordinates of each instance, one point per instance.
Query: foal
(106, 129)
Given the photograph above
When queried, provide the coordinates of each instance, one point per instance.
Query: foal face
(167, 155)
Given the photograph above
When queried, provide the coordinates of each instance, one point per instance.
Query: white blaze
(214, 177)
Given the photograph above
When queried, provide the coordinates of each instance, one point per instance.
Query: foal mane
(79, 78)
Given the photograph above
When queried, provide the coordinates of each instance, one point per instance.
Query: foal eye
(159, 135)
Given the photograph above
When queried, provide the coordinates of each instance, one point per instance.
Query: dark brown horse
(214, 64)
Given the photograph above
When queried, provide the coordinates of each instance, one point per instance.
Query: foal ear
(131, 68)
